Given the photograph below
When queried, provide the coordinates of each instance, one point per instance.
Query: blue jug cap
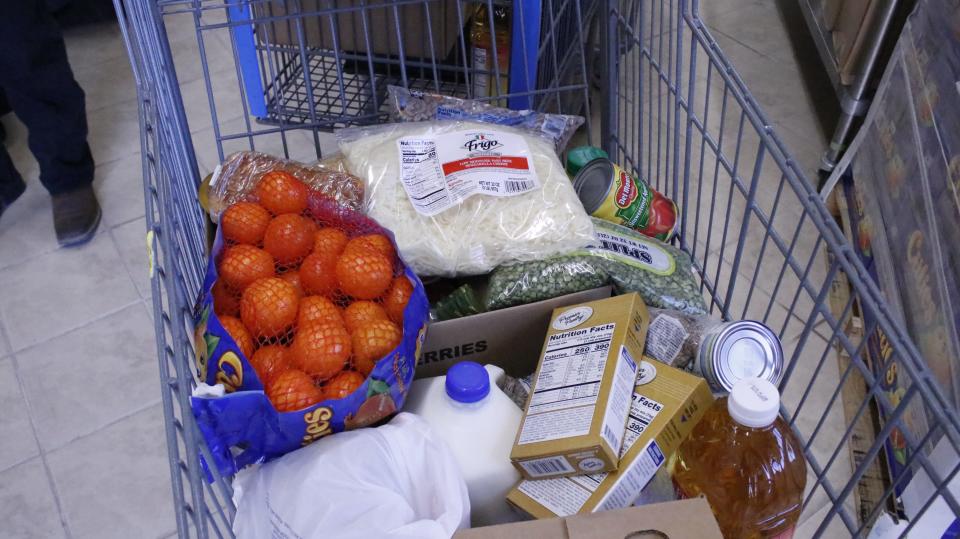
(467, 381)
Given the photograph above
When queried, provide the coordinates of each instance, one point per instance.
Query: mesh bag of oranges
(237, 178)
(309, 319)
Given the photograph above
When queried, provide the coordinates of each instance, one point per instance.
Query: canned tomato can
(608, 192)
(736, 350)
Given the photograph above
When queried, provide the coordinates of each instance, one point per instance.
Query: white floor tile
(4, 344)
(114, 131)
(119, 186)
(131, 241)
(17, 442)
(90, 377)
(26, 227)
(53, 293)
(28, 509)
(116, 483)
(106, 84)
(711, 10)
(757, 25)
(93, 44)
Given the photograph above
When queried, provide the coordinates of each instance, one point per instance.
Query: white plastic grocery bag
(394, 481)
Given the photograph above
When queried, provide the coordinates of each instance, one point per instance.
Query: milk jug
(479, 423)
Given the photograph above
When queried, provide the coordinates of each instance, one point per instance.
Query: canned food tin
(578, 158)
(737, 350)
(610, 193)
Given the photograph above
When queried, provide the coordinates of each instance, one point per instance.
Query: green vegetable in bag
(528, 282)
(461, 302)
(632, 262)
(662, 274)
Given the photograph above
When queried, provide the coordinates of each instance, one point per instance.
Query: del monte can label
(612, 194)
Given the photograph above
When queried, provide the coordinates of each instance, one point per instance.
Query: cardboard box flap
(552, 528)
(675, 520)
(509, 338)
(681, 519)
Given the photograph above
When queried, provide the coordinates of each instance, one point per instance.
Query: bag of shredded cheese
(464, 197)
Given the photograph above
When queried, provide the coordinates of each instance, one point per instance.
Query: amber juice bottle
(745, 459)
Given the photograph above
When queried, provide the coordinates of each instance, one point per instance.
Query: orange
(321, 349)
(318, 309)
(372, 341)
(225, 301)
(281, 193)
(363, 273)
(397, 297)
(360, 312)
(268, 307)
(318, 274)
(293, 390)
(329, 241)
(293, 277)
(269, 361)
(342, 385)
(289, 238)
(244, 222)
(240, 265)
(239, 334)
(377, 242)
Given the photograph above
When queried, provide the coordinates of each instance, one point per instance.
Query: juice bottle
(745, 459)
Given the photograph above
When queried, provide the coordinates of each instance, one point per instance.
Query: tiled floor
(82, 451)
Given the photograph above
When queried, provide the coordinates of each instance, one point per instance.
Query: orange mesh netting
(313, 296)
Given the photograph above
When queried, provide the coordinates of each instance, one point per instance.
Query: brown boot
(76, 215)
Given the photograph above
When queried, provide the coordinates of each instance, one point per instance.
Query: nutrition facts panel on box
(565, 392)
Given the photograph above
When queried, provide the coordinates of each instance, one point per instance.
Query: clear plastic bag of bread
(237, 177)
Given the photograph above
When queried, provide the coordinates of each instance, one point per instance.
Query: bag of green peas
(632, 262)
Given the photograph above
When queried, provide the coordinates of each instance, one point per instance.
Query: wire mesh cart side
(672, 110)
(766, 249)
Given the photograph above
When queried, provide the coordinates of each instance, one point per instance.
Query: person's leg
(39, 85)
(11, 184)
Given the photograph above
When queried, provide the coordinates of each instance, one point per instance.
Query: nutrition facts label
(566, 389)
(665, 339)
(642, 412)
(440, 172)
(562, 496)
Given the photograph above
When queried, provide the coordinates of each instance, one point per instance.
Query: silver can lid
(745, 349)
(593, 183)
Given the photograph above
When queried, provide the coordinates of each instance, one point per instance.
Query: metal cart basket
(659, 96)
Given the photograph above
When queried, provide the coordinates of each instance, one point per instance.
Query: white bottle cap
(754, 402)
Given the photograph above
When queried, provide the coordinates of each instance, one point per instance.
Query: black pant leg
(11, 184)
(39, 85)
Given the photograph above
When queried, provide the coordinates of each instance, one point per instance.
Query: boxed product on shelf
(667, 403)
(575, 417)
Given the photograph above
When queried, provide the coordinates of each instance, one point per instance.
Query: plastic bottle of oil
(483, 40)
(745, 459)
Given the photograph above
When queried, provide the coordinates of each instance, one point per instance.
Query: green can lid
(578, 157)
